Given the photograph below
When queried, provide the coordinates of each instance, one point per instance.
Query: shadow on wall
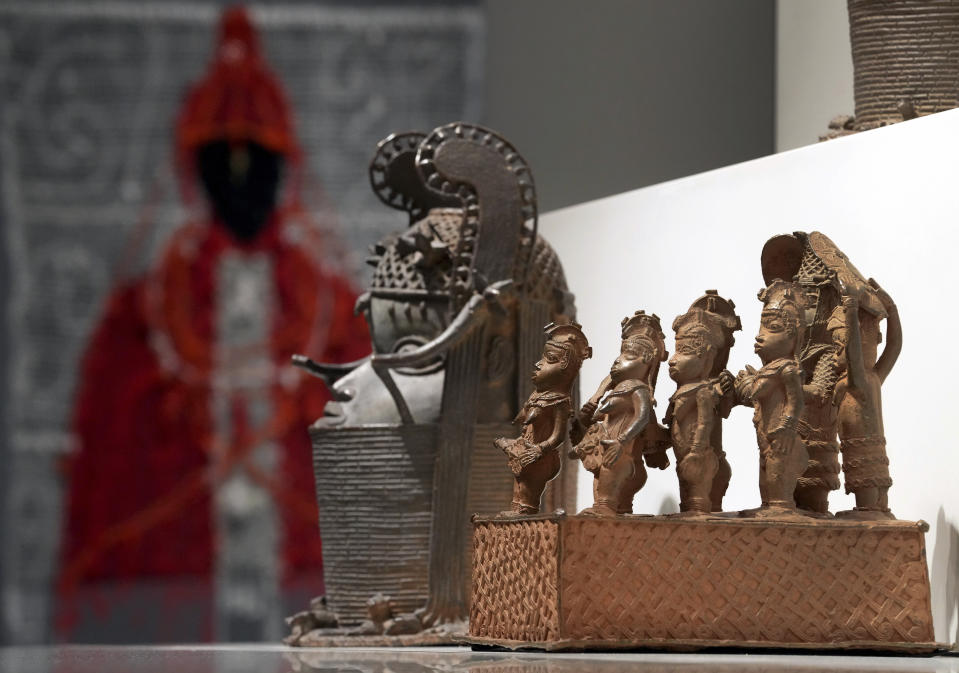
(944, 564)
(669, 505)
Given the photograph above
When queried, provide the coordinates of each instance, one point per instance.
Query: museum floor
(276, 659)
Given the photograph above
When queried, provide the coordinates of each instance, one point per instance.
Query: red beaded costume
(168, 413)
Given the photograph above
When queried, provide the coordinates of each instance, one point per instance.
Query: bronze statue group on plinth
(820, 380)
(786, 574)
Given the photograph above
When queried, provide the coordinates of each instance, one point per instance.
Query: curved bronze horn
(499, 230)
(499, 196)
(395, 181)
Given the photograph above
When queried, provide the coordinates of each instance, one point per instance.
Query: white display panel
(889, 198)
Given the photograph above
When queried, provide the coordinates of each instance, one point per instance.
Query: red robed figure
(190, 422)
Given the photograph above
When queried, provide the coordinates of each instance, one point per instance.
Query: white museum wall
(814, 77)
(889, 200)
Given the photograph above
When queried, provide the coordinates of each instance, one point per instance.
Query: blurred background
(148, 321)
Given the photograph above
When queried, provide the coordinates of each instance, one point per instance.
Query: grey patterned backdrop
(88, 95)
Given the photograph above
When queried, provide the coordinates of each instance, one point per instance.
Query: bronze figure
(831, 285)
(775, 392)
(793, 256)
(858, 394)
(534, 457)
(703, 397)
(621, 431)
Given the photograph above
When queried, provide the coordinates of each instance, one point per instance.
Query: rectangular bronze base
(669, 582)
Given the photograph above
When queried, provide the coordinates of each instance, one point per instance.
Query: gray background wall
(814, 78)
(610, 95)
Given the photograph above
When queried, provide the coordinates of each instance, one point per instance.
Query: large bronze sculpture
(456, 311)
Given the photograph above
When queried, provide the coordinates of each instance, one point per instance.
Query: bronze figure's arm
(560, 416)
(893, 334)
(589, 408)
(642, 407)
(584, 417)
(705, 418)
(727, 393)
(854, 362)
(642, 403)
(520, 418)
(793, 406)
(742, 386)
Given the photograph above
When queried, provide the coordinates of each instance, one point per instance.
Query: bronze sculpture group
(456, 310)
(785, 574)
(820, 382)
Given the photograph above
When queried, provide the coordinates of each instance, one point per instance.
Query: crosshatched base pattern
(645, 579)
(515, 579)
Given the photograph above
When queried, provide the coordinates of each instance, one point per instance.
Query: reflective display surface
(189, 659)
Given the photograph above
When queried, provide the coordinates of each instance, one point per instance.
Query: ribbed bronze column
(905, 54)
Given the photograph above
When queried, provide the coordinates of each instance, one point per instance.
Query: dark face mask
(242, 182)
